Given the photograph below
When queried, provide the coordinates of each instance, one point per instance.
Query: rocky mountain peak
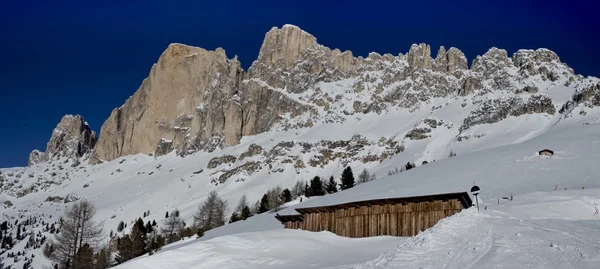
(286, 45)
(200, 100)
(72, 138)
(419, 56)
(451, 60)
(187, 91)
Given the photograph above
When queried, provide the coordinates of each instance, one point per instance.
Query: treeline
(77, 243)
(275, 197)
(24, 230)
(149, 238)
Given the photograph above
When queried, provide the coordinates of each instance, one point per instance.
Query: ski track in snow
(496, 239)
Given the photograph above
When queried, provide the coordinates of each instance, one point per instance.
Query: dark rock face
(253, 150)
(495, 110)
(249, 168)
(589, 96)
(225, 159)
(418, 133)
(163, 147)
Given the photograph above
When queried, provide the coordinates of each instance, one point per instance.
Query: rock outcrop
(190, 96)
(495, 110)
(199, 100)
(72, 138)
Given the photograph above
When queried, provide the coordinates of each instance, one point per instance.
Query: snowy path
(497, 239)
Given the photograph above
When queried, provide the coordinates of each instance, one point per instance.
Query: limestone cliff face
(72, 138)
(194, 99)
(189, 97)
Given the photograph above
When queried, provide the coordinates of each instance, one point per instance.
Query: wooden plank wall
(375, 220)
(293, 225)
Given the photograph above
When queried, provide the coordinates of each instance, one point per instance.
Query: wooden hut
(405, 216)
(546, 152)
(290, 221)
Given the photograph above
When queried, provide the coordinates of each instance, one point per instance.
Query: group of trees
(320, 187)
(77, 241)
(142, 239)
(149, 238)
(406, 167)
(242, 210)
(79, 236)
(273, 199)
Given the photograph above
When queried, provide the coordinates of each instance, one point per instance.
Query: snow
(539, 228)
(271, 250)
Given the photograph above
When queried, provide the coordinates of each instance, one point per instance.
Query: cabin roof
(288, 218)
(463, 197)
(547, 150)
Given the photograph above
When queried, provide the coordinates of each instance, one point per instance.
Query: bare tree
(211, 214)
(364, 176)
(298, 189)
(241, 204)
(274, 196)
(77, 228)
(171, 226)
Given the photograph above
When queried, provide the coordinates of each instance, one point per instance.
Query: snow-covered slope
(127, 187)
(540, 228)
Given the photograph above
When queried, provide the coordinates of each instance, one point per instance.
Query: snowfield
(540, 228)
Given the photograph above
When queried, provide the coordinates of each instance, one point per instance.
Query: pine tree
(347, 179)
(138, 238)
(167, 215)
(286, 196)
(245, 213)
(264, 204)
(154, 223)
(409, 166)
(331, 186)
(102, 259)
(124, 249)
(307, 190)
(234, 217)
(121, 226)
(84, 258)
(149, 227)
(316, 187)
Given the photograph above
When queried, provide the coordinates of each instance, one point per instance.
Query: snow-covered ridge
(311, 111)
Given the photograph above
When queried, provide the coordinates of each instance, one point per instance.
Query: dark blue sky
(88, 57)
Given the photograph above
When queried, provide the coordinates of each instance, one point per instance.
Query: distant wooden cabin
(546, 152)
(405, 216)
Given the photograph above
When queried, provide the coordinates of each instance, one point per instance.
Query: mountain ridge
(187, 106)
